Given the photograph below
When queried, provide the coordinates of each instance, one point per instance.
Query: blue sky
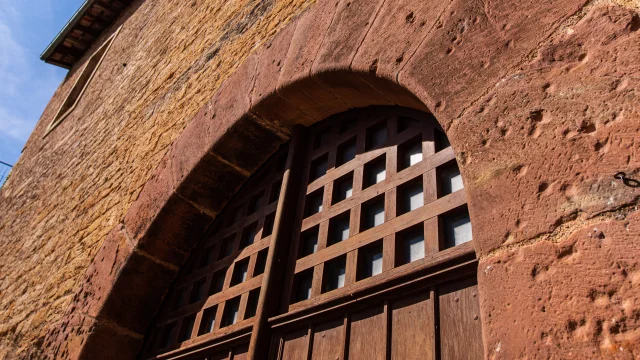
(26, 82)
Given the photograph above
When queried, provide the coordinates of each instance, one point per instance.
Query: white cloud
(15, 126)
(13, 65)
(26, 83)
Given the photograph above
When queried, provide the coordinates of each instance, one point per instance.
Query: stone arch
(335, 56)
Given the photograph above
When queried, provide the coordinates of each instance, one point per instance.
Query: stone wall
(70, 188)
(538, 99)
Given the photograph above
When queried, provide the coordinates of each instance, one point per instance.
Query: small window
(314, 202)
(405, 123)
(267, 228)
(449, 179)
(309, 242)
(187, 328)
(319, 167)
(226, 247)
(198, 290)
(208, 321)
(348, 125)
(81, 84)
(372, 213)
(346, 151)
(334, 274)
(410, 244)
(167, 335)
(369, 260)
(249, 235)
(255, 203)
(441, 140)
(343, 188)
(231, 309)
(302, 285)
(375, 171)
(217, 282)
(240, 270)
(410, 153)
(321, 138)
(261, 262)
(376, 135)
(338, 229)
(252, 304)
(457, 227)
(410, 196)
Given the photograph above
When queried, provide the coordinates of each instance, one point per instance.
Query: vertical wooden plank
(316, 285)
(251, 268)
(390, 202)
(310, 342)
(326, 340)
(219, 316)
(358, 179)
(387, 330)
(346, 329)
(460, 319)
(412, 328)
(431, 231)
(228, 276)
(354, 220)
(389, 252)
(433, 293)
(242, 309)
(431, 236)
(351, 267)
(276, 257)
(367, 339)
(392, 161)
(295, 345)
(196, 325)
(297, 168)
(323, 235)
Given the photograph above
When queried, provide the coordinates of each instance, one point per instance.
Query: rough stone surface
(394, 37)
(554, 134)
(474, 45)
(570, 297)
(71, 188)
(539, 100)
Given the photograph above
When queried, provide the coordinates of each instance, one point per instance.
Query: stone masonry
(539, 100)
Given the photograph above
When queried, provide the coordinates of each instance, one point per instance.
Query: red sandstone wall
(540, 121)
(69, 189)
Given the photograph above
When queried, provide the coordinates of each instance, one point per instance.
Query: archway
(383, 216)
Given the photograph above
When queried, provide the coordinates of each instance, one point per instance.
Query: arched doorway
(352, 241)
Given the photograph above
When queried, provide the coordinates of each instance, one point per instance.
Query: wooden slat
(296, 345)
(327, 340)
(428, 211)
(418, 169)
(460, 319)
(272, 275)
(360, 160)
(367, 340)
(232, 292)
(412, 328)
(430, 261)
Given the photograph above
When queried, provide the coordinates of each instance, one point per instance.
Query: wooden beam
(277, 257)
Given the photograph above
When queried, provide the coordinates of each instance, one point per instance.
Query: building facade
(330, 179)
